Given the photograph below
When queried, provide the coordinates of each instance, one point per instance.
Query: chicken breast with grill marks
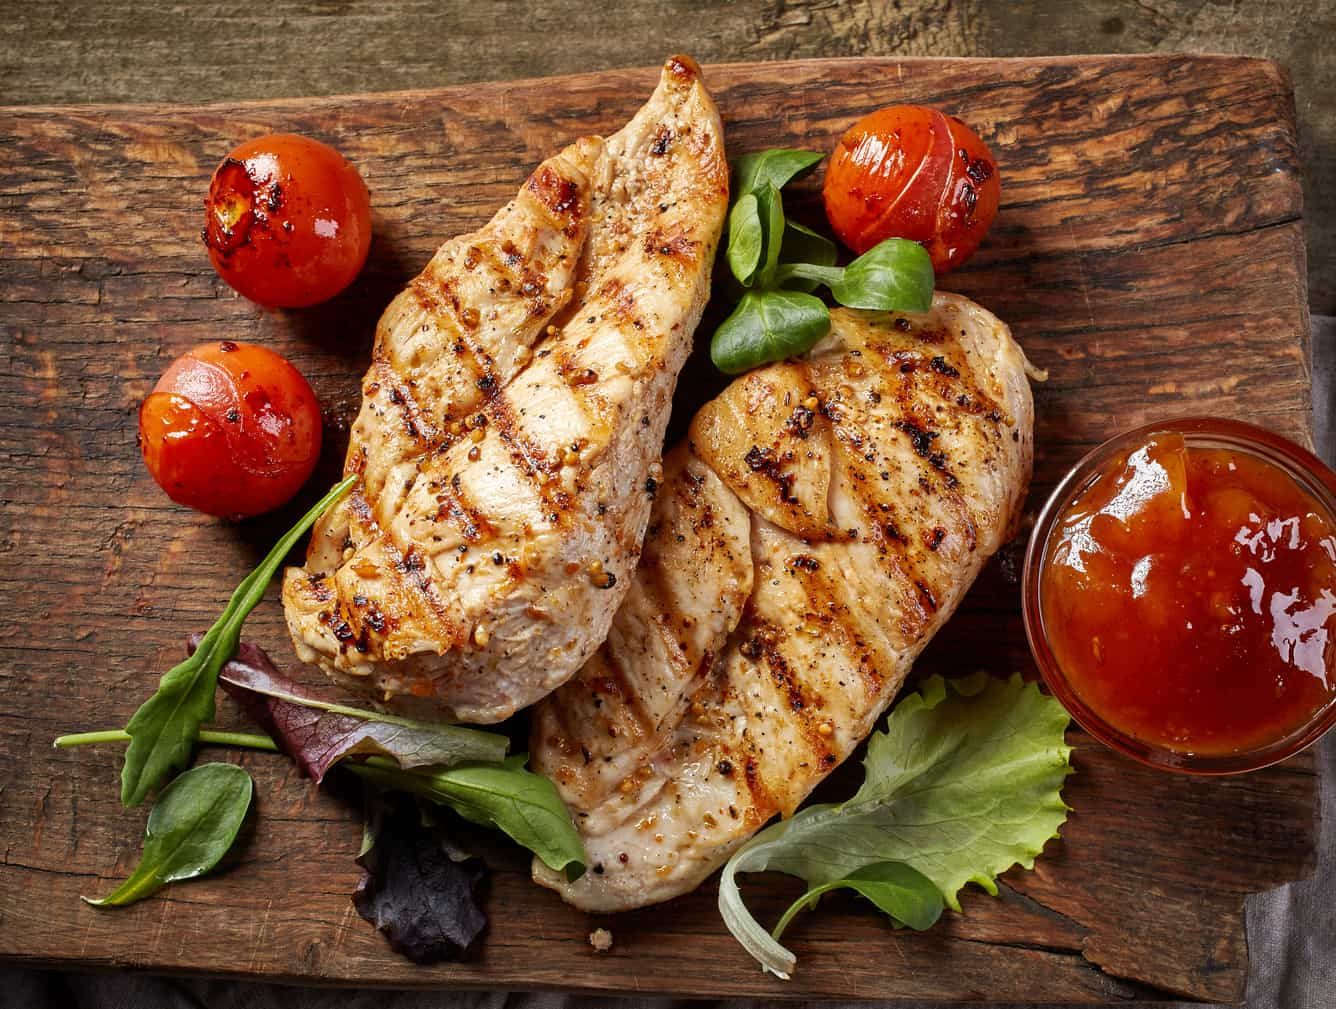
(516, 402)
(818, 526)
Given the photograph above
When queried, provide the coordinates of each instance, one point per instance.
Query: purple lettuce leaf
(418, 887)
(317, 734)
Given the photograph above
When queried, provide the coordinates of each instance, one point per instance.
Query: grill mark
(360, 519)
(407, 577)
(802, 703)
(836, 610)
(637, 701)
(561, 197)
(472, 524)
(532, 461)
(434, 291)
(894, 550)
(867, 646)
(412, 421)
(926, 595)
(748, 782)
(886, 528)
(954, 501)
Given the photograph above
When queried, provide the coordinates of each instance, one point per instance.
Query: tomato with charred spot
(287, 221)
(230, 429)
(912, 172)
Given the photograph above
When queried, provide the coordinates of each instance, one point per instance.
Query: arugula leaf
(768, 326)
(964, 782)
(417, 886)
(776, 167)
(164, 729)
(317, 734)
(504, 795)
(902, 892)
(192, 825)
(744, 238)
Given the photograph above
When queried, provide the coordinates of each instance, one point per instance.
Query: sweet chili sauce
(1189, 596)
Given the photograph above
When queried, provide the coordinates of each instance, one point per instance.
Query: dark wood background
(210, 50)
(1149, 253)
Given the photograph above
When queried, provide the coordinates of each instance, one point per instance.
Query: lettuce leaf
(505, 795)
(963, 783)
(317, 734)
(418, 887)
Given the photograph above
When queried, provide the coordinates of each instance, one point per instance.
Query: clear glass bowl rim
(1301, 465)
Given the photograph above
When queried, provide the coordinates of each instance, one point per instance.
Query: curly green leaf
(963, 783)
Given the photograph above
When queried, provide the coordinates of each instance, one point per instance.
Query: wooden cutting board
(1148, 253)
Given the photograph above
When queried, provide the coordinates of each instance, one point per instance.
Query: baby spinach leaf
(744, 238)
(776, 167)
(900, 891)
(317, 734)
(193, 823)
(893, 276)
(164, 730)
(963, 783)
(768, 326)
(504, 795)
(803, 245)
(417, 886)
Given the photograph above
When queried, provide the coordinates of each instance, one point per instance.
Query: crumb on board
(601, 939)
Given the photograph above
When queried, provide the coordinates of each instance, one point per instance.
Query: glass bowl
(1301, 465)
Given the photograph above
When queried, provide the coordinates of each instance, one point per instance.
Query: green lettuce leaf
(964, 782)
(504, 794)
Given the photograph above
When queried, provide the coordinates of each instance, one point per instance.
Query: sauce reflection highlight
(1189, 596)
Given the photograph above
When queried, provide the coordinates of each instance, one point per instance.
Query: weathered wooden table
(1115, 258)
(210, 50)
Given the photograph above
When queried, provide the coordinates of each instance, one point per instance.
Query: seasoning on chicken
(516, 400)
(820, 523)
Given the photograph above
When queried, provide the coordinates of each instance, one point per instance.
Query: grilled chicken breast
(516, 401)
(818, 526)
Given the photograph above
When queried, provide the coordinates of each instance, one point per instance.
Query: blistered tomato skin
(287, 221)
(231, 429)
(912, 172)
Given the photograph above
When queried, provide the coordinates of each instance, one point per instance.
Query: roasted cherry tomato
(231, 429)
(912, 172)
(287, 221)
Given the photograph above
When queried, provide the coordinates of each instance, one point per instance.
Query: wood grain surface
(214, 50)
(1148, 253)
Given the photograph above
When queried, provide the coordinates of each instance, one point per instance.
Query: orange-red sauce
(1189, 596)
